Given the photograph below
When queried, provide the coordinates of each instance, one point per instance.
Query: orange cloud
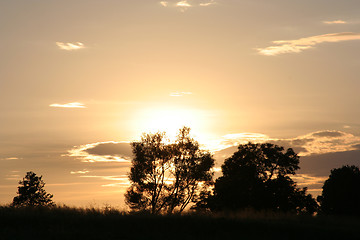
(321, 142)
(183, 4)
(79, 172)
(335, 22)
(164, 3)
(68, 105)
(299, 45)
(206, 4)
(70, 46)
(103, 152)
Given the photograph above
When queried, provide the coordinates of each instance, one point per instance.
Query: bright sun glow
(170, 120)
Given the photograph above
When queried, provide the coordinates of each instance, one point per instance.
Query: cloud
(79, 172)
(12, 177)
(335, 22)
(110, 148)
(68, 105)
(183, 4)
(324, 142)
(299, 45)
(70, 46)
(206, 4)
(9, 158)
(236, 139)
(111, 178)
(103, 152)
(164, 3)
(179, 94)
(122, 180)
(320, 142)
(315, 164)
(356, 146)
(328, 134)
(306, 180)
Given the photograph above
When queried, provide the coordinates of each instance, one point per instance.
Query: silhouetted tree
(31, 192)
(284, 196)
(167, 177)
(341, 192)
(257, 176)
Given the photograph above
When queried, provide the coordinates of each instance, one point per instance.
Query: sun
(170, 120)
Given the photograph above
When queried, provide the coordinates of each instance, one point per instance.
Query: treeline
(169, 178)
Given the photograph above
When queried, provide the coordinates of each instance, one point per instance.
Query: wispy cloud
(9, 158)
(111, 178)
(299, 45)
(185, 4)
(79, 172)
(68, 105)
(122, 181)
(327, 141)
(236, 139)
(321, 142)
(179, 94)
(164, 3)
(70, 46)
(335, 22)
(12, 177)
(206, 4)
(304, 180)
(103, 152)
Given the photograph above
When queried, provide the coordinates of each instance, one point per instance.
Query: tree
(166, 177)
(257, 176)
(341, 192)
(31, 192)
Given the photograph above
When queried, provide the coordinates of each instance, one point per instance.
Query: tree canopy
(257, 176)
(31, 192)
(166, 177)
(341, 192)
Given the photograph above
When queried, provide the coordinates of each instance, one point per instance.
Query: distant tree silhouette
(341, 192)
(257, 177)
(31, 192)
(167, 177)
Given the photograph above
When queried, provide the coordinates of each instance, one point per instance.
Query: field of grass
(90, 223)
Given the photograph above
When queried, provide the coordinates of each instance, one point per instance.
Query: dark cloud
(297, 145)
(301, 142)
(321, 164)
(112, 149)
(356, 146)
(328, 134)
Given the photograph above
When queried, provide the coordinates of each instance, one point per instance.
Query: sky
(81, 79)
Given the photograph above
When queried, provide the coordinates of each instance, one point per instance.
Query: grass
(90, 223)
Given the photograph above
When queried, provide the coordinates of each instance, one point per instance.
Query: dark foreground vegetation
(71, 223)
(168, 179)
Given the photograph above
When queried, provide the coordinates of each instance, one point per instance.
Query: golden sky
(81, 79)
